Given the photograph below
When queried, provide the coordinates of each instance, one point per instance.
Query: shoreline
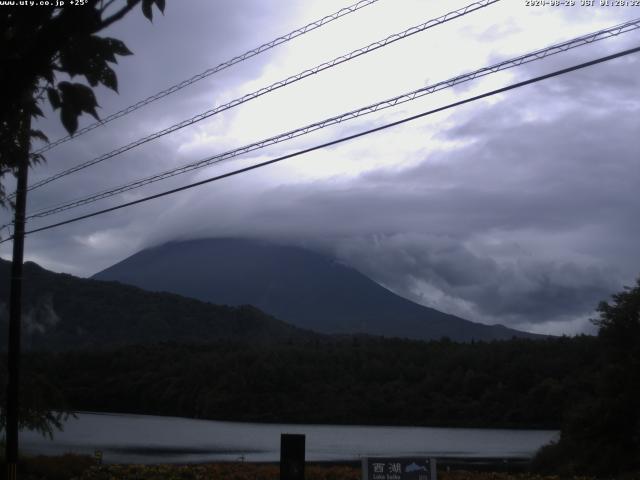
(86, 468)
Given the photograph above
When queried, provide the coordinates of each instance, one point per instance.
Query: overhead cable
(211, 71)
(275, 86)
(391, 102)
(338, 141)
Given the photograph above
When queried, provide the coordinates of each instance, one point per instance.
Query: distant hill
(65, 312)
(298, 286)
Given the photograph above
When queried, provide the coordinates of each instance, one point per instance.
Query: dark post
(291, 457)
(15, 305)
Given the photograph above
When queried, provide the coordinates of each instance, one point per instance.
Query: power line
(211, 71)
(341, 140)
(397, 100)
(275, 86)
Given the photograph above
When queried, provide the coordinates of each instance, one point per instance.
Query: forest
(362, 380)
(587, 386)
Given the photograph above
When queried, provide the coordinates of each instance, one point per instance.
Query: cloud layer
(521, 209)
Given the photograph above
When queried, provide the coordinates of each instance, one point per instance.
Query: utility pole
(15, 301)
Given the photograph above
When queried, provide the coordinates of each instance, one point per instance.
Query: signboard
(398, 468)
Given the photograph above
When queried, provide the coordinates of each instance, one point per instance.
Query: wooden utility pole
(15, 302)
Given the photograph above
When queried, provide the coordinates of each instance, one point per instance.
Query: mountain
(65, 312)
(298, 286)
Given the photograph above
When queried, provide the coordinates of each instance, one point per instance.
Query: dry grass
(248, 471)
(77, 467)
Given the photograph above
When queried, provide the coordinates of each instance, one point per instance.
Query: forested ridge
(63, 312)
(355, 380)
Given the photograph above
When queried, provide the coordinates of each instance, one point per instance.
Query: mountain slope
(62, 311)
(295, 285)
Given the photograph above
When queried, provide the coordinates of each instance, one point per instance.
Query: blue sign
(398, 468)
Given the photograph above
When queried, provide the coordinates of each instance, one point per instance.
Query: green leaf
(36, 158)
(109, 79)
(76, 98)
(39, 135)
(118, 47)
(93, 113)
(93, 77)
(47, 74)
(74, 59)
(91, 57)
(35, 111)
(54, 98)
(69, 119)
(106, 53)
(146, 9)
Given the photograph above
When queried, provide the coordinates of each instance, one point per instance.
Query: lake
(151, 439)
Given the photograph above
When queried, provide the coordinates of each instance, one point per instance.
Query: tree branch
(118, 15)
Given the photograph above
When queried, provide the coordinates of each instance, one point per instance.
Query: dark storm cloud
(167, 51)
(521, 211)
(532, 222)
(518, 291)
(573, 173)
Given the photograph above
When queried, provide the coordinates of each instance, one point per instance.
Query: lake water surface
(149, 439)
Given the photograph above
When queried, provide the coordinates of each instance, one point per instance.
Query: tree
(38, 43)
(619, 386)
(37, 395)
(601, 435)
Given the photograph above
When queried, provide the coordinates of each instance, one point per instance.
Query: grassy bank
(266, 472)
(77, 467)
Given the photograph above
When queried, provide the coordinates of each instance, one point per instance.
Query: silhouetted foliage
(37, 44)
(601, 433)
(37, 394)
(362, 380)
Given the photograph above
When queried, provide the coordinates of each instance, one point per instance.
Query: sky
(520, 209)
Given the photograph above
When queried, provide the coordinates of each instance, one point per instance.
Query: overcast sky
(520, 209)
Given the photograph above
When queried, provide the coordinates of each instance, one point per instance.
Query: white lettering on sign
(390, 468)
